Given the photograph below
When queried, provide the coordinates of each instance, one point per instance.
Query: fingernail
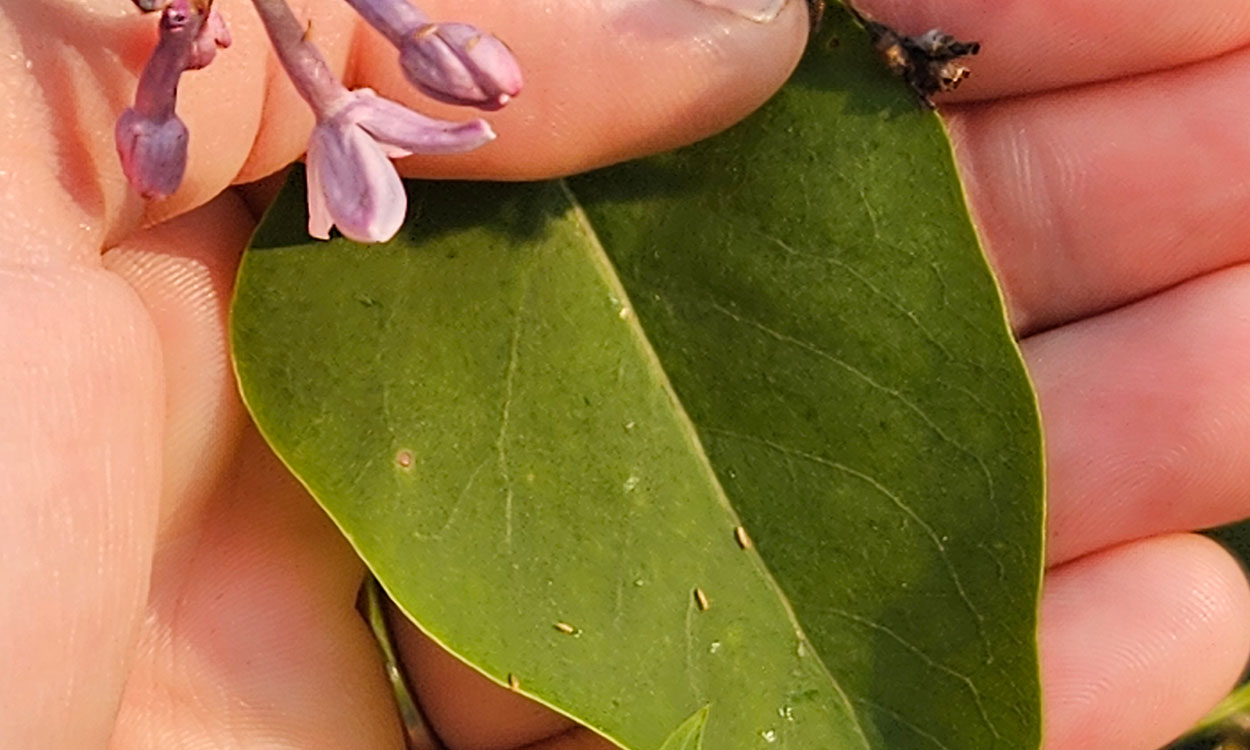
(760, 11)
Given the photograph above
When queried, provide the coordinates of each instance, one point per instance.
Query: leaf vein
(924, 657)
(898, 718)
(893, 497)
(583, 222)
(893, 393)
(501, 440)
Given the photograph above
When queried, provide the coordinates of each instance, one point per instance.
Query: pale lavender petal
(213, 35)
(153, 152)
(404, 131)
(361, 191)
(319, 219)
(461, 64)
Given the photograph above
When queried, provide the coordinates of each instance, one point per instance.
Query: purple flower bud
(151, 140)
(213, 35)
(153, 152)
(460, 64)
(351, 181)
(452, 62)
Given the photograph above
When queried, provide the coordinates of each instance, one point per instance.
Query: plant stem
(417, 731)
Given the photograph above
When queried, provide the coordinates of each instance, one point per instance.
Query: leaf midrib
(691, 433)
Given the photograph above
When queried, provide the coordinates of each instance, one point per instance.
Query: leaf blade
(491, 359)
(688, 736)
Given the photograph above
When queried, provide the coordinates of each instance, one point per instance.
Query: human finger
(70, 70)
(1139, 641)
(183, 272)
(80, 472)
(607, 80)
(252, 637)
(251, 634)
(465, 709)
(1033, 45)
(1090, 198)
(1146, 411)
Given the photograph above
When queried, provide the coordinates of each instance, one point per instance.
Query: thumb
(605, 80)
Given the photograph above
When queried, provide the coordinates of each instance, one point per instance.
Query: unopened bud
(461, 64)
(212, 36)
(153, 152)
(151, 140)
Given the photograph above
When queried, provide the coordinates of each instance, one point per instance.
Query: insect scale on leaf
(931, 63)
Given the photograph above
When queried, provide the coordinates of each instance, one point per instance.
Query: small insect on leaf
(930, 63)
(742, 538)
(701, 599)
(514, 682)
(566, 628)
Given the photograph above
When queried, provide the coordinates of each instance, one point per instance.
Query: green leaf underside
(688, 736)
(1235, 537)
(547, 407)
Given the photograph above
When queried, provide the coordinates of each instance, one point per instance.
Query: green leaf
(1236, 538)
(1227, 726)
(688, 736)
(541, 414)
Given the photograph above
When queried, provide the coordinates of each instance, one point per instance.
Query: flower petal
(359, 187)
(153, 152)
(212, 36)
(319, 219)
(405, 131)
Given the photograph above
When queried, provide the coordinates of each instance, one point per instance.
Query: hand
(158, 560)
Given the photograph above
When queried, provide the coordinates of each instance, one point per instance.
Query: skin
(167, 585)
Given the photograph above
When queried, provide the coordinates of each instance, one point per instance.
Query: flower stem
(393, 18)
(304, 64)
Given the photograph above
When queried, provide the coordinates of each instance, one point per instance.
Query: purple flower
(151, 139)
(153, 152)
(352, 183)
(452, 62)
(213, 36)
(459, 64)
